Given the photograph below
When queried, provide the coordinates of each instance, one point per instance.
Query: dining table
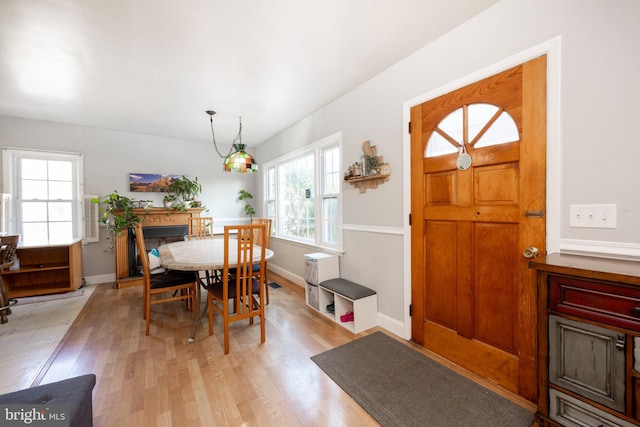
(205, 256)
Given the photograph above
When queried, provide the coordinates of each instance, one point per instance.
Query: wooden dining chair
(167, 286)
(200, 227)
(266, 242)
(243, 290)
(8, 246)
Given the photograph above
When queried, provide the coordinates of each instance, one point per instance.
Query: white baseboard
(392, 325)
(102, 278)
(298, 280)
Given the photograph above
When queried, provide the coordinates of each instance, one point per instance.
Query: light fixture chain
(215, 145)
(239, 136)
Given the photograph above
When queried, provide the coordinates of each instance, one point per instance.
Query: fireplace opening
(153, 237)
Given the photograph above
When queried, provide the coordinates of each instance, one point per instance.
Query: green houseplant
(117, 214)
(244, 196)
(186, 190)
(168, 200)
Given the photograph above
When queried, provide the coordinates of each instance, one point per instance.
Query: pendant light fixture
(237, 160)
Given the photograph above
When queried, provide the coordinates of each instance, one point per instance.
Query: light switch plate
(592, 216)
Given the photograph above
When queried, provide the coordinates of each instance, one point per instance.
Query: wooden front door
(473, 296)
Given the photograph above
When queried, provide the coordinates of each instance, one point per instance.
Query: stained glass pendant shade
(238, 160)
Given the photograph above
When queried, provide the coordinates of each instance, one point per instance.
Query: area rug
(398, 386)
(44, 298)
(35, 328)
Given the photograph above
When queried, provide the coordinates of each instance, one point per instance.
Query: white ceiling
(155, 66)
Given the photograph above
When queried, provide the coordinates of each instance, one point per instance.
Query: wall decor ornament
(370, 171)
(150, 182)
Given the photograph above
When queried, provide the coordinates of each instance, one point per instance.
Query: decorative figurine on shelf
(357, 169)
(373, 165)
(370, 159)
(354, 171)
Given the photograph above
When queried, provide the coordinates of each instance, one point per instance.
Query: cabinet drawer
(614, 305)
(572, 412)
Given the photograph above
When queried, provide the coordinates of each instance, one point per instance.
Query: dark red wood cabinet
(588, 336)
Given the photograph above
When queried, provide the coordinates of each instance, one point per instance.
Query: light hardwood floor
(163, 380)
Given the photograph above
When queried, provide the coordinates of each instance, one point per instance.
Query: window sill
(309, 246)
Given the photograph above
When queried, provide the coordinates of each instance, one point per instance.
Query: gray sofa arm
(75, 393)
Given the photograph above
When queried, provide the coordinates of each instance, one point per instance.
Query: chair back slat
(200, 228)
(248, 237)
(267, 235)
(267, 222)
(142, 254)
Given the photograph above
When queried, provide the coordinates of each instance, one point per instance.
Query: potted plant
(168, 200)
(244, 196)
(186, 190)
(117, 213)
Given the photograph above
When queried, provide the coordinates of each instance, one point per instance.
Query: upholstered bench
(351, 297)
(74, 393)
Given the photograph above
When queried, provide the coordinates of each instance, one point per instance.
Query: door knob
(531, 252)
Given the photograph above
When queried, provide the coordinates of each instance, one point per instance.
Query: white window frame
(317, 148)
(10, 158)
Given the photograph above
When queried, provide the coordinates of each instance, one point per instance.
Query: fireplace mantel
(153, 217)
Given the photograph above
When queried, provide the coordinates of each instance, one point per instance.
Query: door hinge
(410, 310)
(409, 127)
(409, 219)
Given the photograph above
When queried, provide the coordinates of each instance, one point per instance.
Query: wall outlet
(592, 216)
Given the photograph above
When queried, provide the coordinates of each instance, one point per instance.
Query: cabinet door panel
(585, 359)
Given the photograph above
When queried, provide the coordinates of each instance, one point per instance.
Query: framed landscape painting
(150, 182)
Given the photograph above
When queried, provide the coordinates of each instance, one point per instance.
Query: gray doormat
(398, 386)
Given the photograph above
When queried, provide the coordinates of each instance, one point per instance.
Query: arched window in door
(484, 124)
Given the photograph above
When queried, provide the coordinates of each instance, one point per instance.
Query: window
(46, 192)
(330, 194)
(485, 125)
(302, 193)
(270, 194)
(296, 185)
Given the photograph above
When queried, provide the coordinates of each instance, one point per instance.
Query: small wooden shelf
(32, 268)
(45, 269)
(365, 182)
(370, 171)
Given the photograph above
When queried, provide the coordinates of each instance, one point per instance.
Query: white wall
(110, 156)
(597, 109)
